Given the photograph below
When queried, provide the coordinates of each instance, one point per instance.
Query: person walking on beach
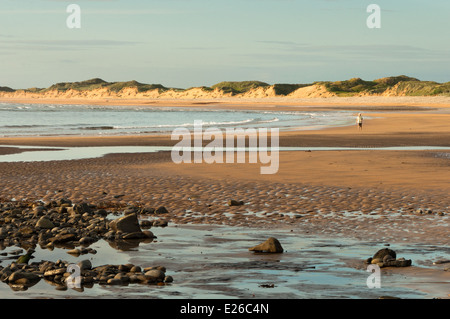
(359, 121)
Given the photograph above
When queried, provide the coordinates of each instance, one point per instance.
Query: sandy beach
(366, 194)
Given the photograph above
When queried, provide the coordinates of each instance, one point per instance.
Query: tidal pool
(213, 262)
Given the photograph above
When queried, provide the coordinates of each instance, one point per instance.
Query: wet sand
(363, 195)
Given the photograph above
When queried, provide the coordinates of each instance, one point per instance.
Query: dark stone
(233, 202)
(384, 252)
(59, 239)
(161, 210)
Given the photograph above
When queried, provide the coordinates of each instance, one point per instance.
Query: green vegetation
(285, 89)
(80, 86)
(393, 80)
(6, 89)
(239, 87)
(399, 84)
(423, 88)
(117, 86)
(35, 90)
(353, 87)
(97, 83)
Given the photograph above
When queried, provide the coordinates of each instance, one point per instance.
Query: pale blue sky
(185, 43)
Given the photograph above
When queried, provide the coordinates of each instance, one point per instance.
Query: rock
(45, 223)
(54, 272)
(135, 235)
(376, 261)
(155, 273)
(148, 234)
(26, 231)
(63, 238)
(101, 212)
(126, 224)
(271, 245)
(398, 263)
(233, 202)
(39, 211)
(387, 258)
(146, 223)
(384, 252)
(26, 277)
(75, 252)
(160, 223)
(86, 240)
(131, 210)
(147, 210)
(135, 269)
(114, 281)
(168, 279)
(64, 201)
(124, 268)
(122, 277)
(82, 208)
(161, 210)
(85, 264)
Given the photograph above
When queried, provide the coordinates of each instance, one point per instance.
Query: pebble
(56, 272)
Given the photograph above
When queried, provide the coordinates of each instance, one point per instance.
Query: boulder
(156, 273)
(85, 264)
(25, 277)
(126, 224)
(45, 223)
(384, 252)
(388, 258)
(271, 245)
(161, 210)
(82, 208)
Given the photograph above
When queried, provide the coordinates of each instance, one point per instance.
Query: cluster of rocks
(429, 212)
(388, 258)
(61, 223)
(23, 276)
(383, 258)
(75, 227)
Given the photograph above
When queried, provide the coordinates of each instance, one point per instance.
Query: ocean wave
(23, 126)
(209, 123)
(94, 128)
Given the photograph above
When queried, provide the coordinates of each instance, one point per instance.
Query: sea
(88, 120)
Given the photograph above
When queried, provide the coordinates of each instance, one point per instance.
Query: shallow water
(213, 262)
(33, 154)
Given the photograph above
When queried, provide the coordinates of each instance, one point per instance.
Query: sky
(188, 43)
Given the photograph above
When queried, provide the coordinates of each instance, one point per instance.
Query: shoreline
(380, 102)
